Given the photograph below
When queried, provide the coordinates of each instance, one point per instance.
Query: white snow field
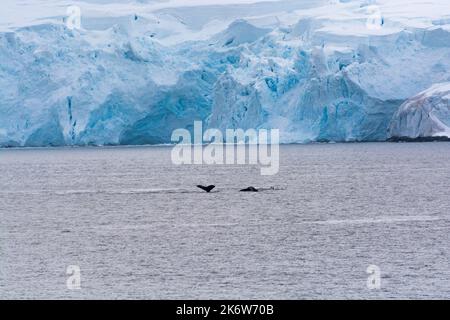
(318, 70)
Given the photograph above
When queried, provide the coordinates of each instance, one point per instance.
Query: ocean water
(137, 226)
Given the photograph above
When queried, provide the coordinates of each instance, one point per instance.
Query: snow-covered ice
(425, 115)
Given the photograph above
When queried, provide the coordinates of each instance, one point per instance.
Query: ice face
(425, 115)
(312, 69)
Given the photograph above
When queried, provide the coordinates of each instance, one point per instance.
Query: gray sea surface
(137, 226)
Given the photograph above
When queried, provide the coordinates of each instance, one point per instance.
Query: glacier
(137, 70)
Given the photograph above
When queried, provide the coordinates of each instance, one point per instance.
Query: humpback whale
(207, 189)
(249, 189)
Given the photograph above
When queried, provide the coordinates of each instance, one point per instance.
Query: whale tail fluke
(207, 189)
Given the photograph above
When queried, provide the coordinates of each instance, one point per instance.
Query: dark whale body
(249, 189)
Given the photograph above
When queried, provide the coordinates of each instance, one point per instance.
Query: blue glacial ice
(135, 80)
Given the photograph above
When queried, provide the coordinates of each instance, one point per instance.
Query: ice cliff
(316, 70)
